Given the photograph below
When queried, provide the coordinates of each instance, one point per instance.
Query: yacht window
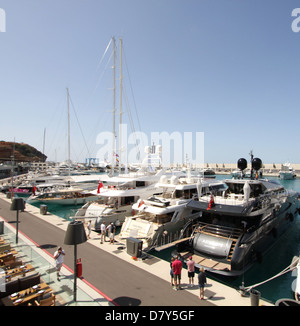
(205, 191)
(140, 184)
(128, 200)
(186, 194)
(160, 219)
(217, 189)
(179, 194)
(165, 218)
(192, 192)
(236, 188)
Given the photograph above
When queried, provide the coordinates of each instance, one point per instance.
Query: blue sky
(228, 68)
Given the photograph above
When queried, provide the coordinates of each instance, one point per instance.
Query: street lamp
(75, 235)
(17, 205)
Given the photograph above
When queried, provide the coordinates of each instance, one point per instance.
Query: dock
(110, 276)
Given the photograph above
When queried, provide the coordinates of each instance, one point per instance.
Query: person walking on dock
(201, 282)
(191, 271)
(89, 229)
(177, 267)
(171, 272)
(59, 260)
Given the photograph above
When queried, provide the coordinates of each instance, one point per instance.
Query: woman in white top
(59, 260)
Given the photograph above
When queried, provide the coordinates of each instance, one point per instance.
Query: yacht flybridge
(238, 225)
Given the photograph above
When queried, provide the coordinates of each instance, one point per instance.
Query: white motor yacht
(63, 196)
(160, 219)
(287, 172)
(116, 199)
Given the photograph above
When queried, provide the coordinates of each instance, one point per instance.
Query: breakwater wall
(271, 169)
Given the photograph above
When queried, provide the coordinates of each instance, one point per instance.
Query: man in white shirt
(103, 232)
(59, 260)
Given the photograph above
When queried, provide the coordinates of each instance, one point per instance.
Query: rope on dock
(290, 268)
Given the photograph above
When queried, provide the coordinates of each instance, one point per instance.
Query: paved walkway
(122, 280)
(43, 262)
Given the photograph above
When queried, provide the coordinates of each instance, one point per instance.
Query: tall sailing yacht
(116, 200)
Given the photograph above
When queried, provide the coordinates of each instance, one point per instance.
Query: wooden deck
(171, 244)
(205, 262)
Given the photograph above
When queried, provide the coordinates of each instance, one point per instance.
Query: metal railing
(219, 230)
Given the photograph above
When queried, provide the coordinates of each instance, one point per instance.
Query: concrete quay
(110, 276)
(268, 169)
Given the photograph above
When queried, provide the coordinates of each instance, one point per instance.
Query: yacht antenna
(69, 152)
(251, 159)
(12, 169)
(44, 140)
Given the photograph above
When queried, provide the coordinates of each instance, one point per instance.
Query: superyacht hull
(229, 239)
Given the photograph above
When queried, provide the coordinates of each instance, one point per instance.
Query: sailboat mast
(69, 151)
(114, 107)
(44, 140)
(120, 119)
(12, 169)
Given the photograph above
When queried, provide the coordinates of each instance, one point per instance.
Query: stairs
(231, 249)
(224, 232)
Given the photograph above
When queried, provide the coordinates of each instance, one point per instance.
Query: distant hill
(23, 152)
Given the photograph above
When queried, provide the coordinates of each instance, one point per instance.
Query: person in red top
(177, 267)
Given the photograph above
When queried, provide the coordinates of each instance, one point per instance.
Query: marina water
(273, 262)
